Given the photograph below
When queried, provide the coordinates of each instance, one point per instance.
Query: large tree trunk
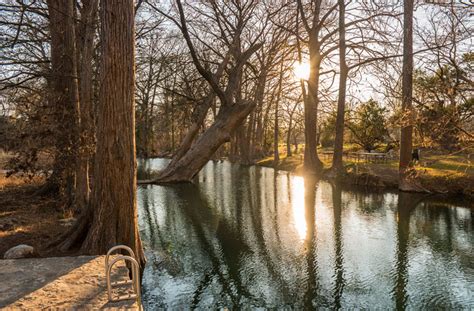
(312, 163)
(337, 166)
(111, 218)
(114, 196)
(407, 89)
(86, 51)
(64, 98)
(227, 121)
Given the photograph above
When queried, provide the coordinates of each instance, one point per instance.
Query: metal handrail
(117, 247)
(135, 281)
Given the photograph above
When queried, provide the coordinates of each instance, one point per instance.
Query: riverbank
(450, 175)
(27, 218)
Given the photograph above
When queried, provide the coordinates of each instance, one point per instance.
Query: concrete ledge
(59, 282)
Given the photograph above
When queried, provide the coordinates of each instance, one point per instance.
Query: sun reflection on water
(297, 206)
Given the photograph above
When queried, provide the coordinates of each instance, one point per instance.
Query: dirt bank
(26, 218)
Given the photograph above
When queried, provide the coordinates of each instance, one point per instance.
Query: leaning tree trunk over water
(111, 218)
(227, 121)
(199, 116)
(337, 166)
(232, 112)
(406, 139)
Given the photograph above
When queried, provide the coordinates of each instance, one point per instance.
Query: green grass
(285, 163)
(434, 165)
(453, 174)
(450, 163)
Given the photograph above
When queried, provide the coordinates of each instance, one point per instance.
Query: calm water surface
(251, 237)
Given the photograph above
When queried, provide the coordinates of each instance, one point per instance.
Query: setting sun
(301, 70)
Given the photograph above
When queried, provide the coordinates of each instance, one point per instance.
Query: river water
(247, 237)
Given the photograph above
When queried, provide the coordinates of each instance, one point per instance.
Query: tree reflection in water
(254, 237)
(310, 183)
(339, 256)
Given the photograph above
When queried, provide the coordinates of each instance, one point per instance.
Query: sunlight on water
(297, 206)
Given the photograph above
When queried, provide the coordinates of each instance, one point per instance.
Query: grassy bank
(448, 174)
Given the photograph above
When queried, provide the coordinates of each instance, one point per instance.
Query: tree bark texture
(86, 120)
(312, 163)
(113, 202)
(406, 139)
(64, 98)
(290, 128)
(337, 166)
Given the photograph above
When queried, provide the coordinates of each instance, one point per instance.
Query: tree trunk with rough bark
(64, 98)
(111, 218)
(406, 143)
(86, 123)
(114, 195)
(337, 167)
(276, 129)
(312, 163)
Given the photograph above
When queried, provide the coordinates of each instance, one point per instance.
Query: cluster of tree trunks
(109, 217)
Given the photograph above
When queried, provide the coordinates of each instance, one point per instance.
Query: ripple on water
(248, 238)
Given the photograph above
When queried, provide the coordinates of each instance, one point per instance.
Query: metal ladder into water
(135, 281)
